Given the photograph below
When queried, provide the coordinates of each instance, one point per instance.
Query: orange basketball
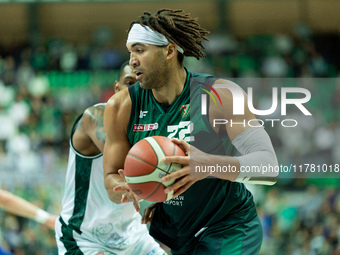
(144, 168)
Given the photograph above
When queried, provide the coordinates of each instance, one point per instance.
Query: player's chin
(143, 85)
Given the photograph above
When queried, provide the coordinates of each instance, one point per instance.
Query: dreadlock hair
(179, 28)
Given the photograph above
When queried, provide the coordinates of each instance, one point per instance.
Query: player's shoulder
(200, 75)
(117, 112)
(94, 110)
(201, 82)
(92, 114)
(120, 101)
(227, 89)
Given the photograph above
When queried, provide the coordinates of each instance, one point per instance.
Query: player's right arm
(116, 119)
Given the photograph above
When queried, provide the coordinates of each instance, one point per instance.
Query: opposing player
(90, 223)
(212, 215)
(18, 206)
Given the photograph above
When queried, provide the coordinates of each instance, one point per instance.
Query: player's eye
(129, 82)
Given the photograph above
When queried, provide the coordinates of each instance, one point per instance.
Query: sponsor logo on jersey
(184, 110)
(145, 127)
(177, 201)
(142, 114)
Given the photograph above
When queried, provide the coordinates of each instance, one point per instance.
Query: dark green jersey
(207, 202)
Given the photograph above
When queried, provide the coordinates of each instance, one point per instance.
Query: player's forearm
(257, 165)
(258, 168)
(111, 181)
(230, 168)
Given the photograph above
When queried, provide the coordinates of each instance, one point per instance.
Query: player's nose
(133, 61)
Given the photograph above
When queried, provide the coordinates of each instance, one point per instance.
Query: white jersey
(90, 223)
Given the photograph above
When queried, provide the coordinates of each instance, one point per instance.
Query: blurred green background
(59, 57)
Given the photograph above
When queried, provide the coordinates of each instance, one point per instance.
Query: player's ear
(116, 86)
(171, 50)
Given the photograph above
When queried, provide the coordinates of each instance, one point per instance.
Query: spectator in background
(68, 59)
(8, 75)
(19, 110)
(2, 65)
(24, 74)
(40, 59)
(274, 65)
(39, 85)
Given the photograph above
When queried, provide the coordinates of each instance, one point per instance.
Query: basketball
(144, 168)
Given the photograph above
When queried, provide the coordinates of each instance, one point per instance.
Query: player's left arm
(252, 142)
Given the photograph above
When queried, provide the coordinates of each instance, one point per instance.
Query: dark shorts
(224, 239)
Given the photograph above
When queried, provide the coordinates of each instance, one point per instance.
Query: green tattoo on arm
(100, 134)
(98, 121)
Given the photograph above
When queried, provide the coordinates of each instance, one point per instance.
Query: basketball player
(89, 222)
(18, 206)
(207, 215)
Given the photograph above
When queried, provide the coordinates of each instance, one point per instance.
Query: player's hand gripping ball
(143, 167)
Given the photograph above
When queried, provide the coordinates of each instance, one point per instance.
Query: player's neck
(168, 93)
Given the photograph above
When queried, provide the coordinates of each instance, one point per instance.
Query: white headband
(141, 34)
